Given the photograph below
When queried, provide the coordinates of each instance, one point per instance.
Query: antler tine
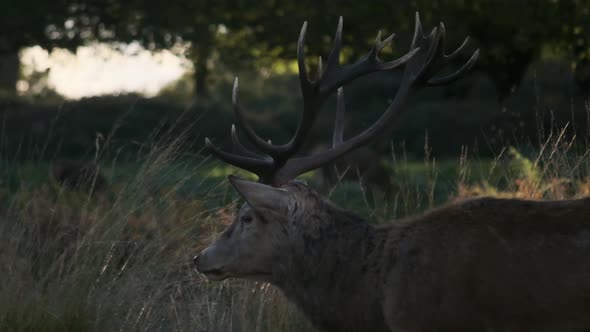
(397, 62)
(380, 44)
(459, 49)
(377, 40)
(256, 166)
(418, 33)
(258, 142)
(304, 80)
(239, 148)
(434, 48)
(442, 36)
(334, 57)
(338, 136)
(456, 75)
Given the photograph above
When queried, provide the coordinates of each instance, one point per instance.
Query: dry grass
(559, 170)
(122, 260)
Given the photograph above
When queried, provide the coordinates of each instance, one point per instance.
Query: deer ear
(261, 197)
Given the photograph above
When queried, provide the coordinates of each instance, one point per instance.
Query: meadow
(120, 259)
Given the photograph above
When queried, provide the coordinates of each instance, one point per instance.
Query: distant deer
(361, 164)
(78, 175)
(478, 265)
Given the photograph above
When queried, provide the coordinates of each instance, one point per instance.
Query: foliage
(511, 34)
(446, 119)
(523, 168)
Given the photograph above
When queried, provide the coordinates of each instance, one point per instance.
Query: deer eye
(246, 218)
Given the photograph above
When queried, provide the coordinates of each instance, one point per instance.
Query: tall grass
(121, 259)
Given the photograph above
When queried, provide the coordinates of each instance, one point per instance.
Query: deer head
(248, 247)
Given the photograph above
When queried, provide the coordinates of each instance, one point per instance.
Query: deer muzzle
(205, 266)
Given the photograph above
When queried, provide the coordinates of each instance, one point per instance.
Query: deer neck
(326, 269)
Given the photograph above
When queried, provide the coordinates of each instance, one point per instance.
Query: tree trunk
(9, 72)
(582, 75)
(582, 72)
(201, 71)
(200, 52)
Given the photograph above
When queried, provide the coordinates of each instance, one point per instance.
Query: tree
(50, 24)
(511, 34)
(166, 24)
(22, 23)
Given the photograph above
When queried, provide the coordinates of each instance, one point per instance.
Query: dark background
(533, 73)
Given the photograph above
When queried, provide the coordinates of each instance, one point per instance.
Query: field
(131, 89)
(121, 258)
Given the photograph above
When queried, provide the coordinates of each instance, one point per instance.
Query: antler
(424, 60)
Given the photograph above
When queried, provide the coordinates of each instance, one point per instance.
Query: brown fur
(484, 264)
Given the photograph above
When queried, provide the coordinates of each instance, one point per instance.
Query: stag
(484, 264)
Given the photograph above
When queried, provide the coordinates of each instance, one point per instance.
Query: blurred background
(70, 70)
(106, 193)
